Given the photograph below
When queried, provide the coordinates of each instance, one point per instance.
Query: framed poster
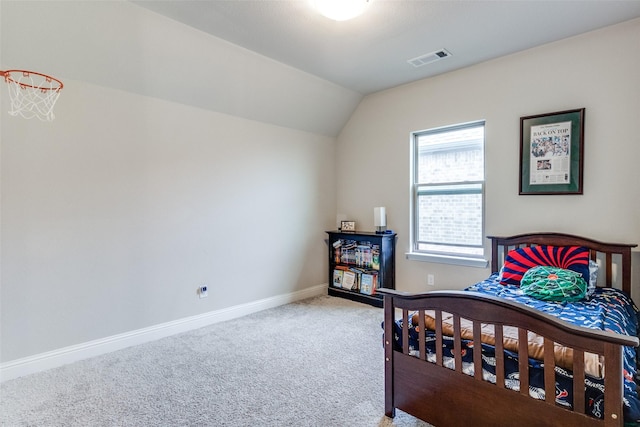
(552, 153)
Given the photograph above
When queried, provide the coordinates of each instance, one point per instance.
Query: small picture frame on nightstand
(347, 226)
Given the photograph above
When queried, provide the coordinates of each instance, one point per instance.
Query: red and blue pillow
(519, 261)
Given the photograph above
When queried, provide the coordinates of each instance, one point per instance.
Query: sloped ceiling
(370, 53)
(277, 61)
(119, 45)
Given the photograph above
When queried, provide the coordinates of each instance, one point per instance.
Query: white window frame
(438, 256)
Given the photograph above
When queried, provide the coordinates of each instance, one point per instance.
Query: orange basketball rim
(32, 94)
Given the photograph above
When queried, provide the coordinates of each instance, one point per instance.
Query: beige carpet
(318, 362)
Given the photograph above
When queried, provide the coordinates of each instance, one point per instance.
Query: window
(448, 193)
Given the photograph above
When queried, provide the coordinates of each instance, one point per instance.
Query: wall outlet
(431, 280)
(203, 292)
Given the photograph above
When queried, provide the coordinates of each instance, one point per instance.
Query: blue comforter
(607, 309)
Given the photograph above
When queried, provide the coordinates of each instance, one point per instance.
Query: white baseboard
(53, 359)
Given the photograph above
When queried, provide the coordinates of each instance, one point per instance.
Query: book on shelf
(337, 245)
(363, 254)
(358, 272)
(337, 277)
(368, 283)
(358, 253)
(347, 254)
(375, 257)
(348, 280)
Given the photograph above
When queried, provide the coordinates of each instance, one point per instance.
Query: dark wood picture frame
(552, 153)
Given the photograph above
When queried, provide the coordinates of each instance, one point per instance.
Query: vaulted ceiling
(370, 53)
(278, 61)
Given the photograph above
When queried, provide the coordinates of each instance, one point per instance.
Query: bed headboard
(614, 259)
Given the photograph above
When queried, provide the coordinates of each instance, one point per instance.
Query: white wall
(597, 71)
(115, 213)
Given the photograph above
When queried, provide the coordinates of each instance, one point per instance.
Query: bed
(538, 363)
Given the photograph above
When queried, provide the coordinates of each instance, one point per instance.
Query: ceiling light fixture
(340, 10)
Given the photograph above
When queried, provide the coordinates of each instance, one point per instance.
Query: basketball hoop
(32, 94)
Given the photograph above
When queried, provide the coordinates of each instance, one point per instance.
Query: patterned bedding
(607, 309)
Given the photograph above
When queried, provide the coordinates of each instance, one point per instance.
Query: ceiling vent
(428, 58)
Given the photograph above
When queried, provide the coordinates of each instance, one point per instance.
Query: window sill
(448, 259)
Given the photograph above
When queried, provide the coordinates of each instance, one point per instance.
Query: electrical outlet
(431, 280)
(203, 292)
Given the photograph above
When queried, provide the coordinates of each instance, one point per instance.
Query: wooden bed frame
(448, 397)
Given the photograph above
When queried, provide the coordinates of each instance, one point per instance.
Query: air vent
(428, 58)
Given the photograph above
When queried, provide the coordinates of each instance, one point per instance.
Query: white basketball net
(32, 94)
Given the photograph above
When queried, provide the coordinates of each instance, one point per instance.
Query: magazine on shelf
(337, 278)
(348, 280)
(366, 284)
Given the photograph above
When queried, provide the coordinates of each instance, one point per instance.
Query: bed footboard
(444, 395)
